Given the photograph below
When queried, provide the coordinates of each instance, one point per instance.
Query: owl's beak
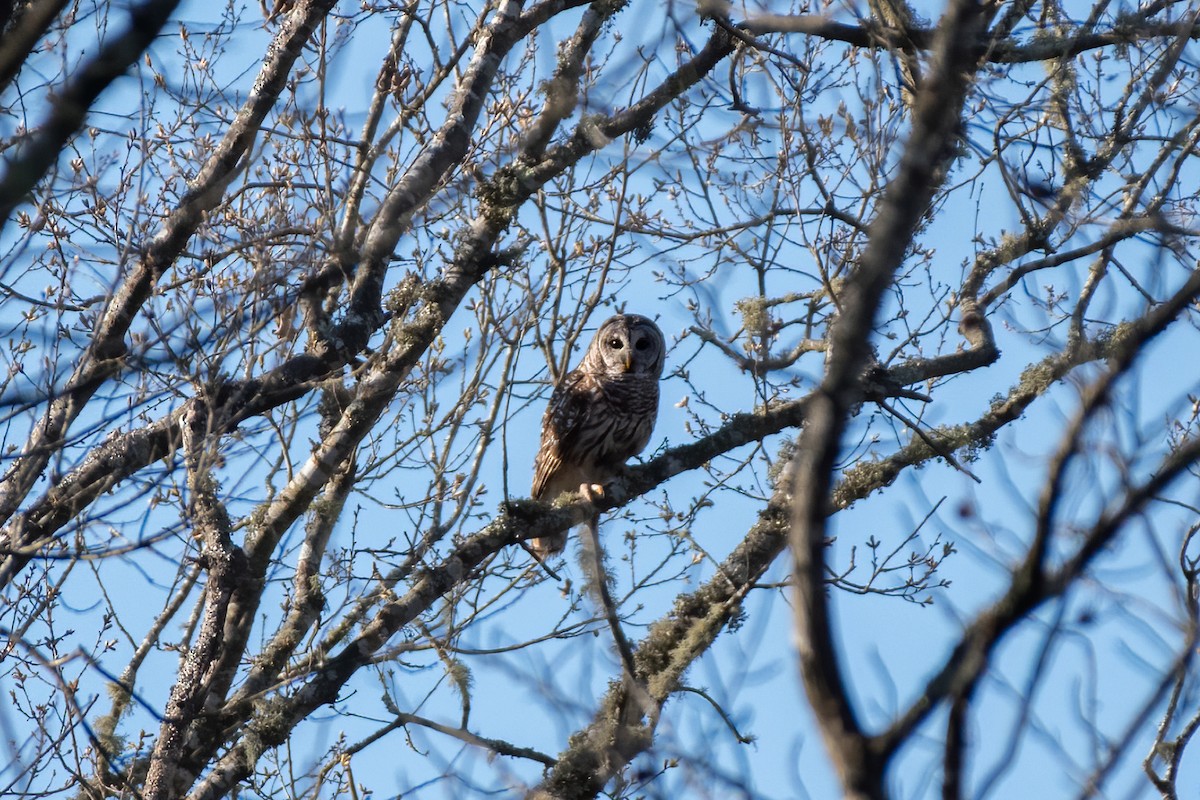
(628, 360)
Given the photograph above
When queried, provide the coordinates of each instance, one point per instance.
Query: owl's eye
(615, 343)
(642, 344)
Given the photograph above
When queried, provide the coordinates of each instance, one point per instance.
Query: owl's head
(627, 344)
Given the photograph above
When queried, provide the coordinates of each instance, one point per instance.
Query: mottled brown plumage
(601, 414)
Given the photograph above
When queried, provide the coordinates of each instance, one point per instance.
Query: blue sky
(1109, 636)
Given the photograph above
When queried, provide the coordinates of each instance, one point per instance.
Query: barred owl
(600, 415)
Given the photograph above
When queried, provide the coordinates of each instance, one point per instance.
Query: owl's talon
(591, 492)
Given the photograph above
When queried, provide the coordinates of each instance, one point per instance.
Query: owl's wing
(561, 427)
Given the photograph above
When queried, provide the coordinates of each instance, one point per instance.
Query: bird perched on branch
(600, 415)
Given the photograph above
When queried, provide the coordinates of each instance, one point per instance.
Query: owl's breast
(630, 406)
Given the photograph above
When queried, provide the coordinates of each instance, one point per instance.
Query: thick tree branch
(226, 567)
(871, 34)
(927, 156)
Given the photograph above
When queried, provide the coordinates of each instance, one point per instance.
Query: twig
(915, 427)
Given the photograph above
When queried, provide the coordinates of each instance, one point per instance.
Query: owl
(600, 415)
